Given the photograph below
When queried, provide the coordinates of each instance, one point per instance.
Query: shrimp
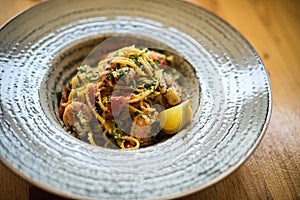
(78, 116)
(143, 128)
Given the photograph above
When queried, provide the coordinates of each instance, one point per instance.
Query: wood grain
(273, 171)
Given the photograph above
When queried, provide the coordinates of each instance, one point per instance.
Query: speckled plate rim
(212, 181)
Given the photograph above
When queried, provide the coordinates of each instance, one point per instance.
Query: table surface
(273, 170)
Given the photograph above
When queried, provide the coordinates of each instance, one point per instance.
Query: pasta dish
(120, 101)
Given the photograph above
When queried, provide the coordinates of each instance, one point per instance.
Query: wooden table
(273, 171)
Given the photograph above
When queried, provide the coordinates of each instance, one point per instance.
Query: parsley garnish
(149, 86)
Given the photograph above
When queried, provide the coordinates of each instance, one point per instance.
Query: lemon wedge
(174, 119)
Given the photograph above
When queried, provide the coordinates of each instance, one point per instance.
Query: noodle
(129, 76)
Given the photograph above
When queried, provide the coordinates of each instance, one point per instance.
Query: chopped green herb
(133, 57)
(121, 73)
(117, 133)
(141, 116)
(149, 86)
(109, 76)
(108, 99)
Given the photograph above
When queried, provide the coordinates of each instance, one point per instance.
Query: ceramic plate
(41, 47)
